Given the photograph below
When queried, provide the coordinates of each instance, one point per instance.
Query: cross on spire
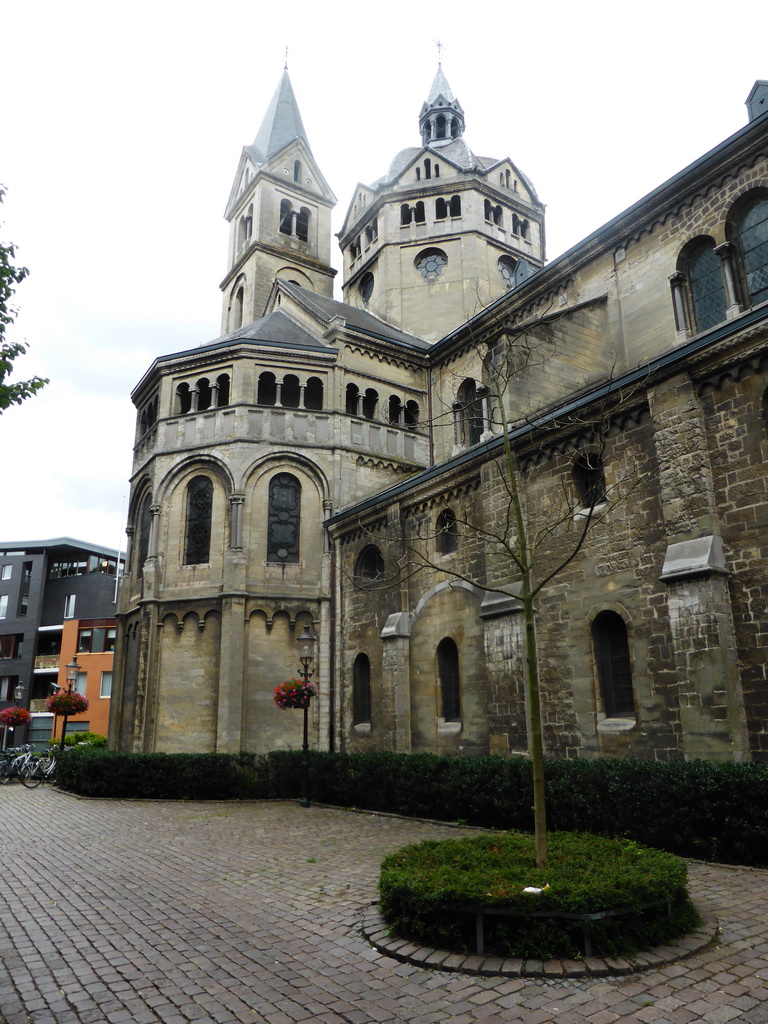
(439, 46)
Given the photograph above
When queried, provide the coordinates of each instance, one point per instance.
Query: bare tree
(528, 546)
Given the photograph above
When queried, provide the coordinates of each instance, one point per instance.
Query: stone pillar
(128, 549)
(725, 252)
(677, 284)
(458, 408)
(229, 719)
(236, 502)
(302, 389)
(154, 530)
(700, 614)
(279, 393)
(395, 672)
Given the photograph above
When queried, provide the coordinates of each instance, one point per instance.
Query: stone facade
(342, 465)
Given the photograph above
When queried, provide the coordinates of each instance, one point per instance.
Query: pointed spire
(439, 88)
(282, 122)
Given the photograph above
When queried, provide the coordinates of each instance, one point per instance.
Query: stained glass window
(284, 519)
(707, 289)
(754, 249)
(199, 508)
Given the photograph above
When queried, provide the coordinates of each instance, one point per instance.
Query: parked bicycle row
(28, 766)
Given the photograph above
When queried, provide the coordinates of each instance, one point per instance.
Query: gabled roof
(326, 310)
(276, 328)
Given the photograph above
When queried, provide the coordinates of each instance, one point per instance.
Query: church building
(358, 467)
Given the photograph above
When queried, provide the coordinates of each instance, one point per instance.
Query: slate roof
(282, 124)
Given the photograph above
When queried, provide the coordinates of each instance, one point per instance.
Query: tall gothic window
(448, 674)
(361, 690)
(753, 236)
(199, 508)
(707, 291)
(284, 519)
(472, 412)
(447, 537)
(145, 525)
(614, 672)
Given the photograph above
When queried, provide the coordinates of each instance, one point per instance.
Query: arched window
(284, 519)
(297, 170)
(497, 216)
(441, 209)
(249, 222)
(524, 225)
(361, 690)
(183, 399)
(455, 206)
(440, 127)
(222, 391)
(705, 278)
(395, 408)
(753, 240)
(198, 533)
(370, 564)
(302, 224)
(447, 537)
(405, 214)
(427, 168)
(454, 127)
(290, 392)
(418, 213)
(266, 393)
(471, 412)
(450, 684)
(589, 479)
(370, 402)
(411, 413)
(352, 395)
(242, 233)
(313, 394)
(488, 209)
(614, 671)
(145, 525)
(286, 217)
(237, 308)
(203, 388)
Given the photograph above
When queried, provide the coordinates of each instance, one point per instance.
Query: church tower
(279, 212)
(444, 232)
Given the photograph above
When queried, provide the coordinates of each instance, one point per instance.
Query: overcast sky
(123, 124)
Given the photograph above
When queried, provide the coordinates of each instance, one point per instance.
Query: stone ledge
(375, 931)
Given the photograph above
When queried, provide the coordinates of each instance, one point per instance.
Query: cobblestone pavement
(128, 912)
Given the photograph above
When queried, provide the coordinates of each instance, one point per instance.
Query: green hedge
(428, 892)
(710, 810)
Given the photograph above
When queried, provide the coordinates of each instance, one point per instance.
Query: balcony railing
(47, 661)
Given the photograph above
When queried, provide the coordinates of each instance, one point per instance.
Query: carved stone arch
(295, 276)
(190, 466)
(445, 585)
(289, 462)
(170, 621)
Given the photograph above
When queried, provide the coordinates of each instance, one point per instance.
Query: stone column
(677, 284)
(236, 502)
(458, 408)
(154, 530)
(725, 252)
(128, 549)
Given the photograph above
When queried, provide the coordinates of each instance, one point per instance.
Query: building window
(411, 413)
(81, 683)
(419, 214)
(707, 291)
(507, 270)
(183, 399)
(447, 536)
(3, 606)
(69, 606)
(370, 564)
(753, 240)
(313, 394)
(290, 392)
(405, 214)
(455, 206)
(430, 263)
(361, 690)
(370, 403)
(302, 224)
(589, 479)
(471, 405)
(105, 689)
(222, 390)
(145, 528)
(366, 287)
(26, 586)
(6, 574)
(450, 685)
(611, 649)
(12, 645)
(441, 209)
(266, 393)
(204, 394)
(199, 510)
(284, 519)
(286, 217)
(96, 636)
(297, 170)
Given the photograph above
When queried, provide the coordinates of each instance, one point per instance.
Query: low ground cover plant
(428, 892)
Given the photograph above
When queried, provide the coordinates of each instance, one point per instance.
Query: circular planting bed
(597, 896)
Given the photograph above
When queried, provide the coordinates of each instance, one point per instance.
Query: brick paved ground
(143, 912)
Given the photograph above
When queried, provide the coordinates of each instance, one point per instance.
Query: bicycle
(14, 761)
(38, 769)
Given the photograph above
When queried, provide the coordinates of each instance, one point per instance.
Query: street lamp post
(18, 693)
(72, 669)
(306, 654)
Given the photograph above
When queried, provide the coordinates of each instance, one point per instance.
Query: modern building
(57, 601)
(349, 465)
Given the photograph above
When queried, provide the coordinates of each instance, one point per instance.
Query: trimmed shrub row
(710, 810)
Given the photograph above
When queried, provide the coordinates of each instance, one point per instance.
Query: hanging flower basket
(14, 716)
(295, 693)
(67, 704)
